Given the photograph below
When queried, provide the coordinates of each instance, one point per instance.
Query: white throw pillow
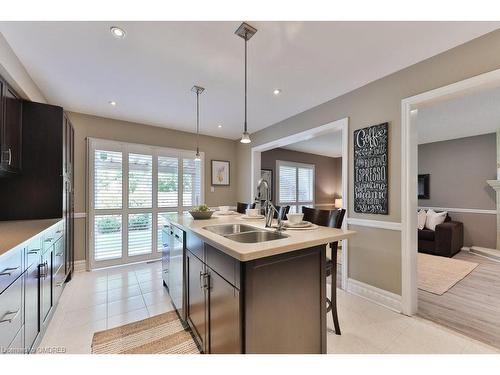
(434, 218)
(422, 216)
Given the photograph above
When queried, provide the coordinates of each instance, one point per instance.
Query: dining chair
(242, 207)
(332, 219)
(282, 212)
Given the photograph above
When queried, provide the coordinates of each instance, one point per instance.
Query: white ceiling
(150, 72)
(466, 116)
(329, 144)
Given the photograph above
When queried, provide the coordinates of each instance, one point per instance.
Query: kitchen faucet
(269, 208)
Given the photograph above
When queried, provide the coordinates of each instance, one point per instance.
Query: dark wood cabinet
(10, 130)
(196, 299)
(213, 304)
(224, 315)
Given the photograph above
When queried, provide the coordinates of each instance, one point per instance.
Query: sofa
(446, 240)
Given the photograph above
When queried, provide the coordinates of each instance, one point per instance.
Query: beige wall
(98, 127)
(375, 103)
(458, 171)
(327, 172)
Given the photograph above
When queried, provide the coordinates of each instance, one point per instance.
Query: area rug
(438, 274)
(161, 334)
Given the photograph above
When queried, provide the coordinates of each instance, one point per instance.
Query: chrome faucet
(269, 208)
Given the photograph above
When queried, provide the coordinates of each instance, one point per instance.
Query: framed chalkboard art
(371, 169)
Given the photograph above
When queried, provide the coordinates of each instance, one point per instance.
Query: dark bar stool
(332, 219)
(282, 212)
(241, 207)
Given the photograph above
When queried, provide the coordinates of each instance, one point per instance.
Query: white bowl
(295, 218)
(251, 212)
(223, 208)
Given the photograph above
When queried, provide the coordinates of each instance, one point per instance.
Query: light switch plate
(212, 189)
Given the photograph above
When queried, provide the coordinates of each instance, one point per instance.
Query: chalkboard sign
(370, 170)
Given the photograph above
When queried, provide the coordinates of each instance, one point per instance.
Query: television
(423, 186)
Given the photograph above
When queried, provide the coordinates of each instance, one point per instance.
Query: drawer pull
(59, 284)
(16, 313)
(8, 271)
(60, 254)
(34, 251)
(59, 231)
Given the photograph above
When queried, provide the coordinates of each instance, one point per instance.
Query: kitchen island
(241, 297)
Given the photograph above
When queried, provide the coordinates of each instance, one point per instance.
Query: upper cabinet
(10, 130)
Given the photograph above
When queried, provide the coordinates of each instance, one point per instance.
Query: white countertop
(15, 233)
(298, 239)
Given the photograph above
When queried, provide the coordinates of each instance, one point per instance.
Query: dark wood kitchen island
(265, 297)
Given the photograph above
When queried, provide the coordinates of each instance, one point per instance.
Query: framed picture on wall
(220, 173)
(267, 174)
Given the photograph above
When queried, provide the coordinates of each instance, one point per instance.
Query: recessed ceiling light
(219, 126)
(277, 91)
(117, 32)
(112, 102)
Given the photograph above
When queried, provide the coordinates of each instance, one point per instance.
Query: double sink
(244, 233)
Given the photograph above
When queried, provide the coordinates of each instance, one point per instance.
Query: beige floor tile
(151, 286)
(157, 296)
(125, 305)
(160, 308)
(77, 318)
(78, 302)
(128, 317)
(122, 282)
(124, 293)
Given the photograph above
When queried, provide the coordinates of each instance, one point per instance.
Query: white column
(495, 184)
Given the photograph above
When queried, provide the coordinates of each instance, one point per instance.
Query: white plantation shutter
(305, 180)
(295, 185)
(140, 234)
(287, 184)
(133, 189)
(168, 181)
(191, 183)
(140, 181)
(107, 237)
(107, 179)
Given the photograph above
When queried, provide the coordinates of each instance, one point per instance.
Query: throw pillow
(422, 216)
(434, 218)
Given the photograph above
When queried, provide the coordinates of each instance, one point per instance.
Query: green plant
(108, 224)
(138, 222)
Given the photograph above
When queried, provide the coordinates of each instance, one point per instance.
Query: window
(132, 190)
(295, 185)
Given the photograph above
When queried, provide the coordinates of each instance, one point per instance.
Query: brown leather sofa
(446, 240)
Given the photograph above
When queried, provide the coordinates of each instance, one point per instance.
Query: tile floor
(102, 299)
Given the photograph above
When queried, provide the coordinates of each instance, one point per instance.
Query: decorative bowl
(201, 215)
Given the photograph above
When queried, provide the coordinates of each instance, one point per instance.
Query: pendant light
(198, 90)
(245, 31)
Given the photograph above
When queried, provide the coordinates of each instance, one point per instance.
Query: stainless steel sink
(256, 236)
(225, 229)
(244, 233)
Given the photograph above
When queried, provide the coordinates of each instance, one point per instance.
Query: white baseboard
(379, 296)
(80, 265)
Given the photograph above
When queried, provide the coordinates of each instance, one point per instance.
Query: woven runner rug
(161, 334)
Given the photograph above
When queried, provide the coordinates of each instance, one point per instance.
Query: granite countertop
(298, 239)
(15, 233)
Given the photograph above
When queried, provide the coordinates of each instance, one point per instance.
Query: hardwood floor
(472, 306)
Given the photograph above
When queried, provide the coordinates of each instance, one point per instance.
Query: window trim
(125, 148)
(296, 165)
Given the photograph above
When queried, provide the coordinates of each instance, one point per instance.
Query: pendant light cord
(246, 40)
(197, 121)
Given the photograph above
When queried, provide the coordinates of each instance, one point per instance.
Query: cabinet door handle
(4, 320)
(201, 276)
(8, 271)
(59, 284)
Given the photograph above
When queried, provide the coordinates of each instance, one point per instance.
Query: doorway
(409, 173)
(340, 127)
